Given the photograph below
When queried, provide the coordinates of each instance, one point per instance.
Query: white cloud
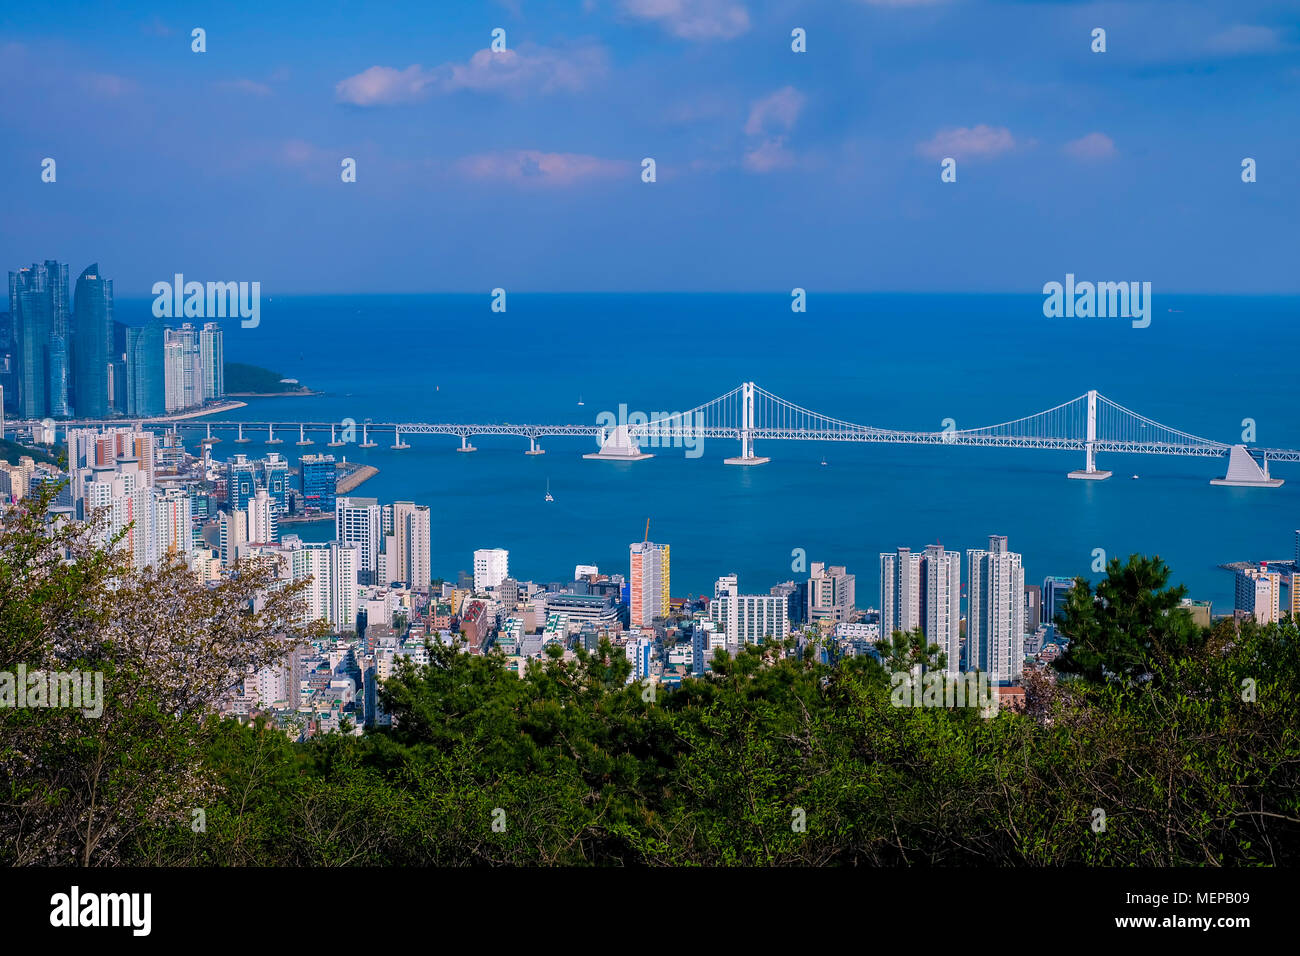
(776, 111)
(693, 19)
(530, 69)
(246, 86)
(1245, 39)
(966, 142)
(533, 167)
(1094, 146)
(769, 156)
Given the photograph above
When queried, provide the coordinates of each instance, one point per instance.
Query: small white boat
(580, 401)
(823, 461)
(1135, 477)
(548, 490)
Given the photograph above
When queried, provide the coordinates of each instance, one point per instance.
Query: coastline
(306, 393)
(354, 478)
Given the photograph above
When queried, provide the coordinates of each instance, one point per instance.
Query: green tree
(1130, 626)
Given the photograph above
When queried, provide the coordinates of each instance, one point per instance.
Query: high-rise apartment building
(331, 568)
(212, 360)
(901, 592)
(1259, 593)
(491, 567)
(358, 521)
(406, 526)
(923, 591)
(995, 626)
(649, 582)
(263, 518)
(174, 375)
(941, 573)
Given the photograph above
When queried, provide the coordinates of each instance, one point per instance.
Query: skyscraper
(184, 368)
(173, 374)
(146, 394)
(92, 344)
(38, 304)
(650, 580)
(995, 627)
(212, 360)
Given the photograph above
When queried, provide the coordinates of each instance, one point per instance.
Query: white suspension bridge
(1090, 423)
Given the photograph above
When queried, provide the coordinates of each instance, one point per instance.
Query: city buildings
(830, 593)
(407, 545)
(1056, 592)
(923, 591)
(649, 582)
(748, 618)
(995, 624)
(1259, 594)
(491, 567)
(359, 521)
(317, 482)
(331, 568)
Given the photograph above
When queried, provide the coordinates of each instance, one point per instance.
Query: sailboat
(580, 401)
(548, 490)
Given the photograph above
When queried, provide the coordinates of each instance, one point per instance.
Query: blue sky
(775, 169)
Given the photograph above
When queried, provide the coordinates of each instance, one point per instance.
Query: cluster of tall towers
(70, 359)
(923, 590)
(63, 345)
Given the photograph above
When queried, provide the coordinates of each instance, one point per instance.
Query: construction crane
(647, 531)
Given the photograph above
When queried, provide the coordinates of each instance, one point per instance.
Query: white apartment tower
(900, 592)
(491, 567)
(332, 569)
(996, 622)
(358, 521)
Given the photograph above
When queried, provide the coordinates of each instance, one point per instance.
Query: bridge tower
(1090, 472)
(747, 456)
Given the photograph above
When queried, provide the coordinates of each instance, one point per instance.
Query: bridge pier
(533, 449)
(465, 445)
(365, 438)
(270, 436)
(618, 445)
(302, 437)
(241, 440)
(210, 440)
(398, 444)
(334, 442)
(1090, 471)
(1245, 472)
(747, 456)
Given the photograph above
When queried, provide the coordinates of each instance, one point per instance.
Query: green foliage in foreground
(1187, 742)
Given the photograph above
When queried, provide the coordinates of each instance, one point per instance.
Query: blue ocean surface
(1204, 365)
